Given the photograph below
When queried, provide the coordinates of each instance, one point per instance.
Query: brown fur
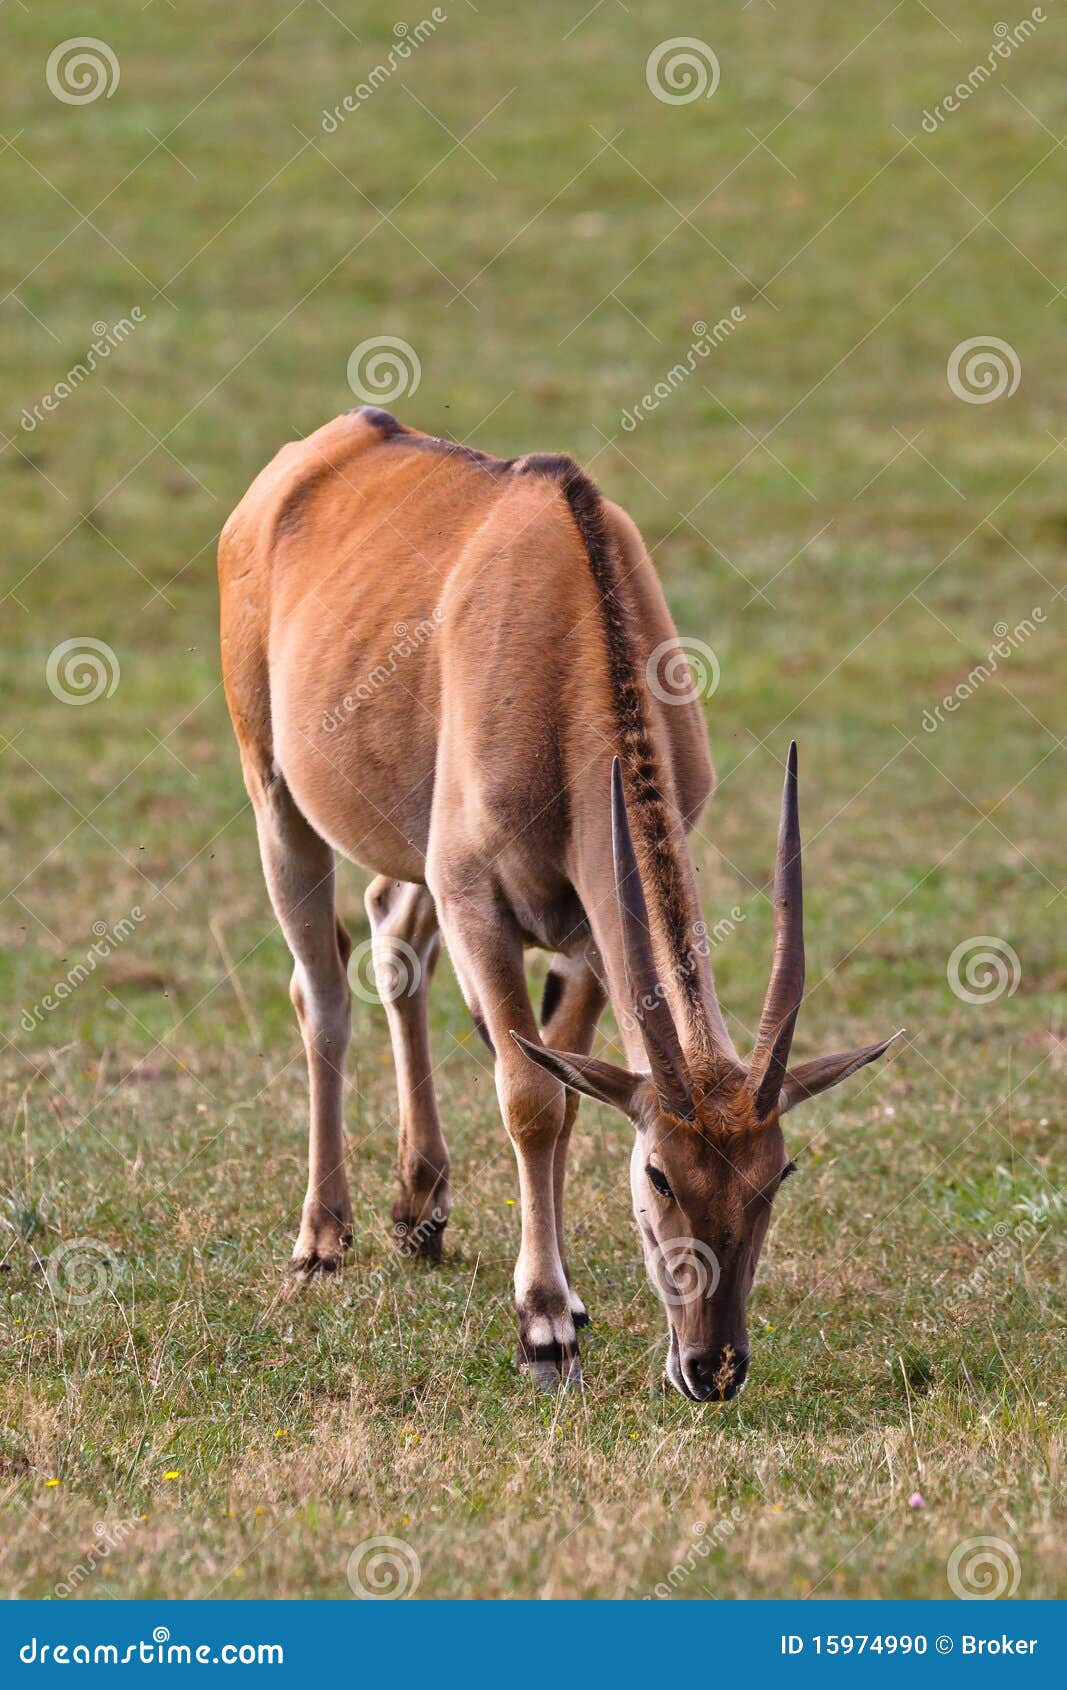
(353, 518)
(432, 657)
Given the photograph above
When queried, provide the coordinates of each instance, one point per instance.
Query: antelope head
(709, 1154)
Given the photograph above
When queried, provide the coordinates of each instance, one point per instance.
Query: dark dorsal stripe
(383, 421)
(389, 429)
(650, 813)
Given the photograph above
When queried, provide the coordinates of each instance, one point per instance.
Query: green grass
(906, 1336)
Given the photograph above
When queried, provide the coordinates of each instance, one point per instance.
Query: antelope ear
(807, 1079)
(601, 1080)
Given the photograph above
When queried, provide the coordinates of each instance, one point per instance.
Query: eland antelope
(512, 779)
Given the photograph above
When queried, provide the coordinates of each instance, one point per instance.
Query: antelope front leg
(548, 1343)
(573, 1002)
(488, 959)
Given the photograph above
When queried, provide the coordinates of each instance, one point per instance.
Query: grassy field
(847, 533)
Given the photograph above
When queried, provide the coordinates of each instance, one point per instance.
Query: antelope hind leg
(406, 942)
(299, 870)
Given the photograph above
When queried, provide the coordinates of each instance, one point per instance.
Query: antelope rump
(512, 781)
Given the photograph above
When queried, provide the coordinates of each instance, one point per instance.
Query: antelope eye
(659, 1181)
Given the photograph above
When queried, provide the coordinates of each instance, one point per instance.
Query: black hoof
(549, 1365)
(315, 1266)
